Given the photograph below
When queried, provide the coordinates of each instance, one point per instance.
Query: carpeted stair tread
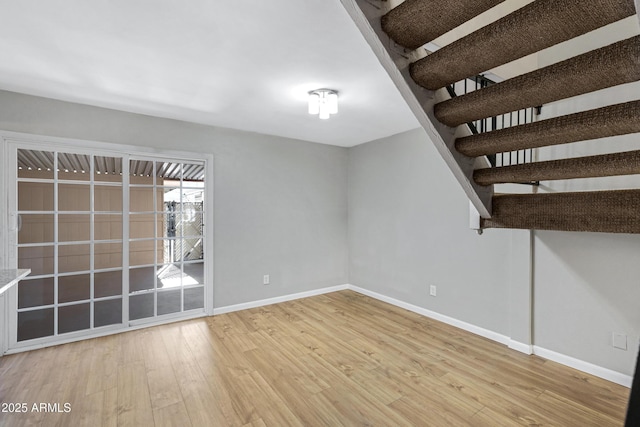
(416, 22)
(619, 119)
(614, 164)
(536, 26)
(616, 211)
(609, 66)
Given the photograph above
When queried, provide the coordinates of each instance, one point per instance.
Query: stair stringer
(367, 15)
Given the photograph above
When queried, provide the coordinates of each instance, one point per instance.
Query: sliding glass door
(111, 240)
(166, 253)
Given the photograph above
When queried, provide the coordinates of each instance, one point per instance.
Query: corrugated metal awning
(44, 160)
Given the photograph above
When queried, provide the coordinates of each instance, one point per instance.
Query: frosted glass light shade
(324, 112)
(323, 102)
(332, 103)
(314, 103)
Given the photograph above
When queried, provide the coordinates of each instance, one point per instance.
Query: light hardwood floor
(331, 360)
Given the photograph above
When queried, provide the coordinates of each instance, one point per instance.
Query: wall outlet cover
(620, 341)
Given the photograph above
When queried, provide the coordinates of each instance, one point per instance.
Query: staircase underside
(600, 211)
(614, 164)
(536, 26)
(404, 23)
(609, 66)
(619, 119)
(394, 33)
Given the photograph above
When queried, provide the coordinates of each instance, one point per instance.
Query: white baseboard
(502, 339)
(276, 300)
(598, 371)
(581, 365)
(521, 347)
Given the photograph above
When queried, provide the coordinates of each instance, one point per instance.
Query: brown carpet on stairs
(609, 66)
(614, 164)
(619, 119)
(598, 211)
(534, 27)
(416, 22)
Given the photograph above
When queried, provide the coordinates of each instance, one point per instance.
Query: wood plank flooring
(339, 359)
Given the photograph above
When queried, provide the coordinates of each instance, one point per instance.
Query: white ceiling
(243, 64)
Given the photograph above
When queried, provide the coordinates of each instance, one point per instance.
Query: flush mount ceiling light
(323, 102)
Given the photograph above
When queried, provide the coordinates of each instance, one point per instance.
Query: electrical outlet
(265, 279)
(620, 341)
(432, 290)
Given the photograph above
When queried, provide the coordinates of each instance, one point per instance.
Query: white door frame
(10, 142)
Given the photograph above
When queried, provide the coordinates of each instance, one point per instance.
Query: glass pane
(74, 197)
(192, 205)
(35, 196)
(74, 318)
(35, 164)
(141, 172)
(171, 250)
(107, 227)
(168, 171)
(192, 249)
(107, 283)
(141, 252)
(142, 226)
(168, 302)
(176, 250)
(35, 292)
(193, 273)
(169, 186)
(170, 224)
(74, 288)
(35, 324)
(169, 276)
(75, 167)
(73, 258)
(74, 227)
(141, 199)
(107, 199)
(36, 229)
(107, 312)
(107, 255)
(141, 279)
(38, 258)
(194, 298)
(191, 224)
(170, 197)
(193, 195)
(141, 306)
(107, 169)
(192, 175)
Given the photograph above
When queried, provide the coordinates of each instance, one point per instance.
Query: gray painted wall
(281, 209)
(280, 205)
(409, 228)
(587, 286)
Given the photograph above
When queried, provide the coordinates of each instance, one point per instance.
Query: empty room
(320, 213)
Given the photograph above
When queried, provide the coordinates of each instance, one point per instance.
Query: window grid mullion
(56, 250)
(92, 248)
